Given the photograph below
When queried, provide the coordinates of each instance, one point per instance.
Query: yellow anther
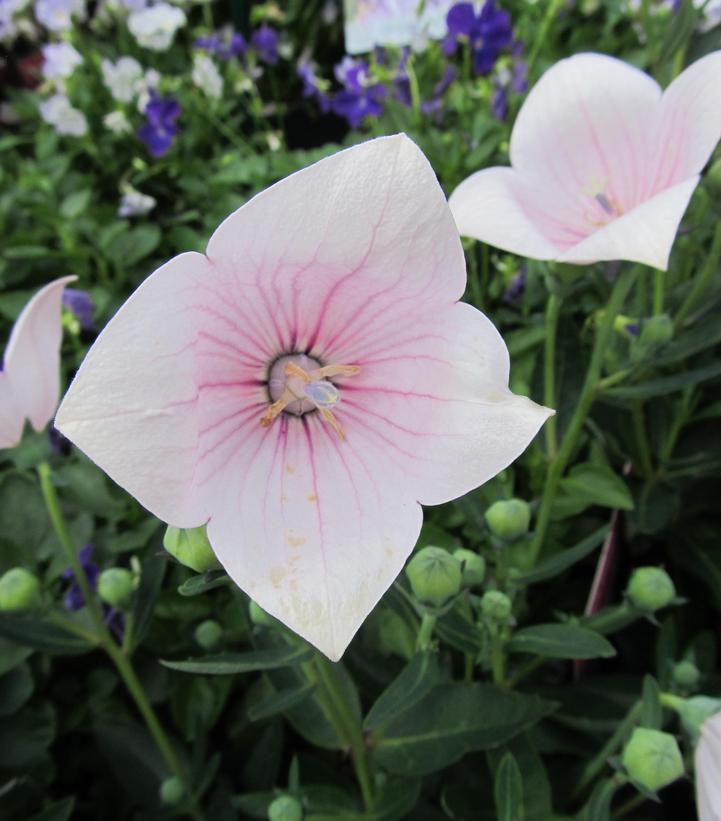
(332, 421)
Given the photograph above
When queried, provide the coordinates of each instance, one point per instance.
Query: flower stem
(425, 632)
(594, 767)
(659, 281)
(585, 400)
(347, 725)
(497, 658)
(554, 7)
(699, 286)
(103, 637)
(639, 429)
(553, 311)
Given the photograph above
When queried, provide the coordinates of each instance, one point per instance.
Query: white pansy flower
(154, 27)
(117, 122)
(147, 84)
(57, 15)
(59, 112)
(122, 78)
(60, 60)
(206, 76)
(135, 204)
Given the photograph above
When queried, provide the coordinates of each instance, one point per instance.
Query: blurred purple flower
(223, 44)
(81, 305)
(401, 81)
(312, 85)
(160, 128)
(632, 328)
(516, 287)
(488, 32)
(360, 97)
(265, 42)
(435, 104)
(73, 599)
(499, 103)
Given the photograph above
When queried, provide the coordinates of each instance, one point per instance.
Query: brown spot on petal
(277, 574)
(290, 469)
(295, 541)
(312, 498)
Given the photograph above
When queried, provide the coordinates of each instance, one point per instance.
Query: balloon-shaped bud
(509, 519)
(694, 711)
(19, 590)
(395, 635)
(652, 758)
(496, 606)
(209, 634)
(171, 791)
(650, 588)
(473, 567)
(285, 808)
(434, 575)
(115, 586)
(686, 674)
(191, 548)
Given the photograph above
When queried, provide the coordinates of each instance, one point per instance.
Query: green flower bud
(258, 615)
(496, 605)
(19, 590)
(650, 588)
(115, 586)
(473, 567)
(171, 791)
(434, 575)
(694, 711)
(209, 634)
(656, 330)
(191, 548)
(285, 808)
(652, 758)
(394, 635)
(686, 674)
(509, 520)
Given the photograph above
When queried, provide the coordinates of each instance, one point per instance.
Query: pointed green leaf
(508, 790)
(226, 664)
(560, 641)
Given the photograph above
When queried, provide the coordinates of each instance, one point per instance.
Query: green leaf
(26, 736)
(420, 675)
(508, 790)
(57, 811)
(196, 704)
(41, 634)
(74, 204)
(457, 630)
(537, 796)
(151, 580)
(666, 384)
(16, 687)
(132, 246)
(280, 702)
(452, 720)
(599, 804)
(203, 582)
(555, 565)
(11, 654)
(590, 484)
(560, 641)
(226, 664)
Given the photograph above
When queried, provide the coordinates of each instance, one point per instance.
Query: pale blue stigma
(322, 393)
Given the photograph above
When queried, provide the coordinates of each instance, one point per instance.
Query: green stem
(553, 311)
(588, 393)
(629, 806)
(554, 7)
(348, 726)
(639, 430)
(498, 659)
(526, 669)
(594, 767)
(425, 633)
(103, 637)
(415, 91)
(612, 619)
(707, 271)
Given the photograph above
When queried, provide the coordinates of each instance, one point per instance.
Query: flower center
(298, 384)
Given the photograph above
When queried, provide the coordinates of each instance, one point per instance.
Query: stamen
(298, 389)
(603, 201)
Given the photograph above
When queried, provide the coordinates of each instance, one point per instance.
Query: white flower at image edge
(206, 76)
(707, 761)
(60, 60)
(59, 112)
(123, 79)
(57, 15)
(154, 27)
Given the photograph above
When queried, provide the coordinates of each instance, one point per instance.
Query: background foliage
(508, 716)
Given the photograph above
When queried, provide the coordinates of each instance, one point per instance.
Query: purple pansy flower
(160, 128)
(517, 285)
(312, 85)
(81, 305)
(360, 97)
(488, 32)
(435, 104)
(223, 44)
(265, 42)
